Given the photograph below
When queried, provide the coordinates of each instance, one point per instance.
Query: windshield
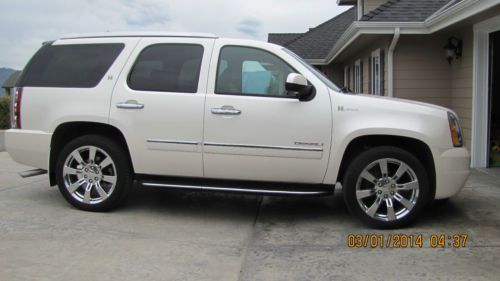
(316, 72)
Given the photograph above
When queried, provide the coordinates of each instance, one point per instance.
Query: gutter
(390, 63)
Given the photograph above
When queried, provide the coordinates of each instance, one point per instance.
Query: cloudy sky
(25, 24)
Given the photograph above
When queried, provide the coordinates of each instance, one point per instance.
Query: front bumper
(31, 148)
(452, 171)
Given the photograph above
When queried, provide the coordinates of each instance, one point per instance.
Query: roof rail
(138, 34)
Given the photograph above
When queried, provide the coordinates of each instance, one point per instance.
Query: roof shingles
(405, 10)
(282, 38)
(318, 41)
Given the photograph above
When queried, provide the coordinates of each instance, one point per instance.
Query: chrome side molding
(297, 148)
(172, 141)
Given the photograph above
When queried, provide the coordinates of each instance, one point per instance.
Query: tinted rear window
(167, 68)
(70, 66)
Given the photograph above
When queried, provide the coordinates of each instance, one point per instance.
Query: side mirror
(297, 83)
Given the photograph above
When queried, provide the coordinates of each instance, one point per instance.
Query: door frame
(480, 94)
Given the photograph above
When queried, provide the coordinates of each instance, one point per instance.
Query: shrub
(4, 112)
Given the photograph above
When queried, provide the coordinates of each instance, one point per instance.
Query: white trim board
(480, 94)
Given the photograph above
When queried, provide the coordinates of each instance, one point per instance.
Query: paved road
(165, 235)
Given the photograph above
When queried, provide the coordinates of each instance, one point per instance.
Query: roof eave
(434, 23)
(316, 61)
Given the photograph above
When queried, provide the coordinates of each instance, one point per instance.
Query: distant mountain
(5, 73)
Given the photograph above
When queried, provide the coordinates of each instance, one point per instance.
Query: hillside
(5, 73)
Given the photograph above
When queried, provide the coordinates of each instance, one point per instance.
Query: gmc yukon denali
(101, 112)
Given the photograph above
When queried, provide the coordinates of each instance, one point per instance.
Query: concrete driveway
(165, 235)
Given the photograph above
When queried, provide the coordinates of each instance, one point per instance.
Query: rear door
(158, 104)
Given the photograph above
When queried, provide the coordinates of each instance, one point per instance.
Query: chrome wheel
(89, 174)
(387, 189)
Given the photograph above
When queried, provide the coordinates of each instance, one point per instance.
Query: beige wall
(422, 73)
(461, 83)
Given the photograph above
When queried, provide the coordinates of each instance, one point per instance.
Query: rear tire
(93, 173)
(386, 187)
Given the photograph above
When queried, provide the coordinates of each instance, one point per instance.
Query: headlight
(455, 130)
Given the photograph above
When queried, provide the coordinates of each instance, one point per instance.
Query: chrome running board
(32, 173)
(271, 189)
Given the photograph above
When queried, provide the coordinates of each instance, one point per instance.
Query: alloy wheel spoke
(86, 196)
(374, 207)
(407, 204)
(71, 171)
(74, 186)
(401, 170)
(408, 186)
(361, 194)
(92, 152)
(106, 162)
(383, 167)
(78, 158)
(100, 190)
(390, 209)
(110, 179)
(368, 176)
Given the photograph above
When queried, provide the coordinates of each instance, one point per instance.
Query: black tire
(388, 189)
(120, 171)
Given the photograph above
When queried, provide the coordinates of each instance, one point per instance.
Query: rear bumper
(31, 148)
(452, 171)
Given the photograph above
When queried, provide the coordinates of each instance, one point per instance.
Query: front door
(158, 104)
(254, 130)
(494, 100)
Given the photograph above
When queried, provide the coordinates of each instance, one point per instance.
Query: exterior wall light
(453, 49)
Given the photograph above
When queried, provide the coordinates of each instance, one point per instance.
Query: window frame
(376, 69)
(131, 69)
(346, 77)
(250, 95)
(358, 77)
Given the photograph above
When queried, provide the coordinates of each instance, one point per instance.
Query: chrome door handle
(130, 104)
(226, 110)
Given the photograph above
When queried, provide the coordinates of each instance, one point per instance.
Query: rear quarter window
(70, 66)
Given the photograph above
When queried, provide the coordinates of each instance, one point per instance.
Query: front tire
(93, 173)
(386, 187)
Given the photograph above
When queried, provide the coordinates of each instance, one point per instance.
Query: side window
(250, 71)
(70, 66)
(167, 68)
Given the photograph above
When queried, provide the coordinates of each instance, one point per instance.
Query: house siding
(461, 83)
(422, 73)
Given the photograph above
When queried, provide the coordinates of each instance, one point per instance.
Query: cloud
(147, 13)
(26, 24)
(249, 27)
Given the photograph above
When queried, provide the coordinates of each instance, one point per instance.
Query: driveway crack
(250, 239)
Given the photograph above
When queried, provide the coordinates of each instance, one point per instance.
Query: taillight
(15, 113)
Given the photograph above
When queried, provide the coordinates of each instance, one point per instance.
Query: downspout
(390, 63)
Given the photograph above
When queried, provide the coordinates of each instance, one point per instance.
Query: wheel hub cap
(89, 175)
(387, 189)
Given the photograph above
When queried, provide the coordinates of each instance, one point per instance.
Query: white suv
(198, 112)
